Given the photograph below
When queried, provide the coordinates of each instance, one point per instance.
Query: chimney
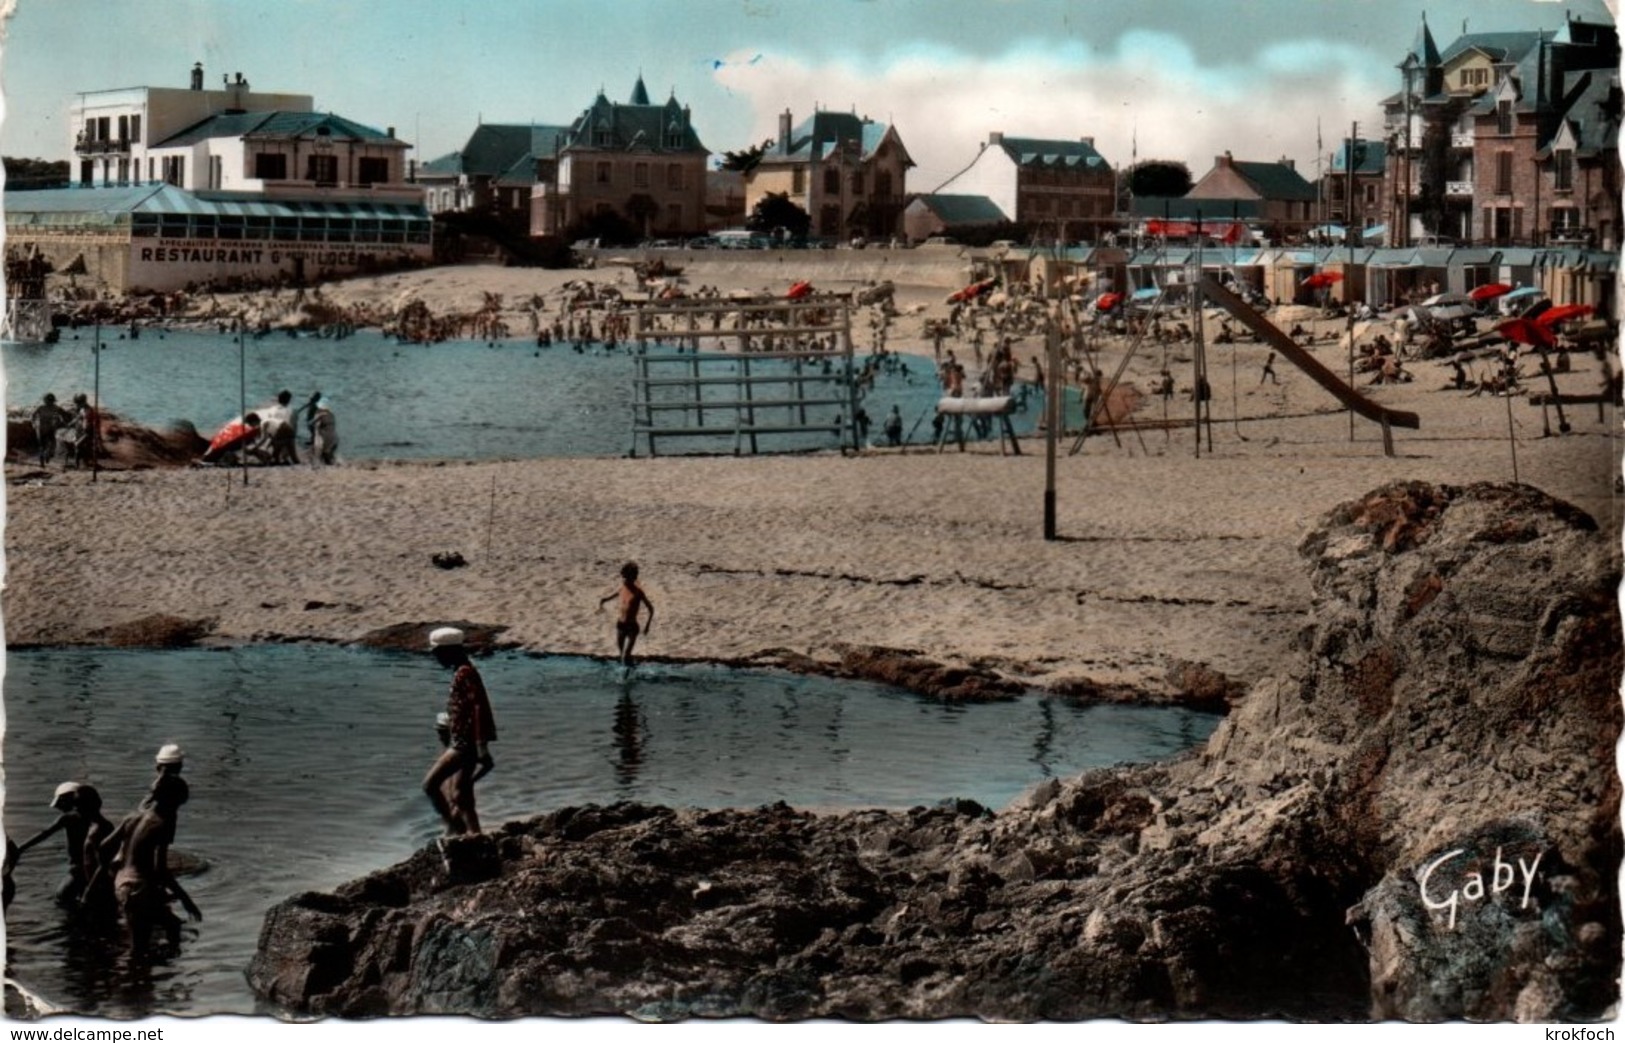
(784, 131)
(389, 131)
(995, 137)
(1289, 163)
(197, 76)
(1090, 141)
(1224, 160)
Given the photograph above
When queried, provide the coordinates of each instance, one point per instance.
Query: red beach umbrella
(1523, 331)
(799, 290)
(1108, 301)
(1320, 279)
(1489, 291)
(1562, 313)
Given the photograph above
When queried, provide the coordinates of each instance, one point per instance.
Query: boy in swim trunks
(626, 619)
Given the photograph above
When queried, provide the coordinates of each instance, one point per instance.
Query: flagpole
(242, 396)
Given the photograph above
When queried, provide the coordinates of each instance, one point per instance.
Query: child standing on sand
(626, 619)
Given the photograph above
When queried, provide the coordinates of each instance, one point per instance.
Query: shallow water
(304, 764)
(465, 400)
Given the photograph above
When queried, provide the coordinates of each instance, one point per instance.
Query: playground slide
(1213, 291)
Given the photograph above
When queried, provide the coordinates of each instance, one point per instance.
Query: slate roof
(264, 125)
(1275, 181)
(954, 210)
(442, 166)
(632, 127)
(820, 134)
(1042, 152)
(1593, 113)
(1499, 46)
(1371, 157)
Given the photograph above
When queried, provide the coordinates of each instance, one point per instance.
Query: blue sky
(1187, 79)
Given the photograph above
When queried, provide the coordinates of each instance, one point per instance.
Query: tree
(745, 160)
(1159, 177)
(775, 211)
(35, 173)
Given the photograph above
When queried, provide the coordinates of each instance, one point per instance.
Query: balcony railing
(89, 146)
(1458, 188)
(1459, 140)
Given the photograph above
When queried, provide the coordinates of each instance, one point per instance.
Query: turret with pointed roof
(640, 160)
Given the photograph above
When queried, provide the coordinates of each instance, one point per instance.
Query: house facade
(1066, 187)
(1507, 138)
(1282, 200)
(496, 171)
(1352, 189)
(847, 172)
(113, 133)
(950, 214)
(640, 161)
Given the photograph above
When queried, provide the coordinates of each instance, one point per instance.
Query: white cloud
(1261, 106)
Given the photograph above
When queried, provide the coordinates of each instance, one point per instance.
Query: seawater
(305, 764)
(464, 400)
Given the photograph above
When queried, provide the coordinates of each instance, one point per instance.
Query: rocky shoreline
(1450, 709)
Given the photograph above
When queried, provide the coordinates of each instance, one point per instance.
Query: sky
(1154, 79)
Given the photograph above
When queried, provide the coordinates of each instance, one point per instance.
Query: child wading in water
(626, 619)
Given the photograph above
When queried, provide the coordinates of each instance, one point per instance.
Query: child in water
(632, 598)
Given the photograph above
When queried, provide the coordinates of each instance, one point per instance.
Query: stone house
(847, 172)
(1284, 202)
(1060, 190)
(640, 161)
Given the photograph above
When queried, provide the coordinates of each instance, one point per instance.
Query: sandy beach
(1164, 554)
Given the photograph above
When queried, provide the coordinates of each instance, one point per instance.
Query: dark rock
(155, 631)
(1457, 696)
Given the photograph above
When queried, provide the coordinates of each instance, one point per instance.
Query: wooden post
(1052, 421)
(1512, 439)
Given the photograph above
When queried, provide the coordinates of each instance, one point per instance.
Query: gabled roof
(1592, 115)
(270, 125)
(1498, 47)
(448, 165)
(823, 133)
(1275, 180)
(633, 127)
(955, 210)
(494, 148)
(1043, 152)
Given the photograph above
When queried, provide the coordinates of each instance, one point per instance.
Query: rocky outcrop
(1454, 712)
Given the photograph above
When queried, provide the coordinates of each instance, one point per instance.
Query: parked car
(742, 239)
(703, 242)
